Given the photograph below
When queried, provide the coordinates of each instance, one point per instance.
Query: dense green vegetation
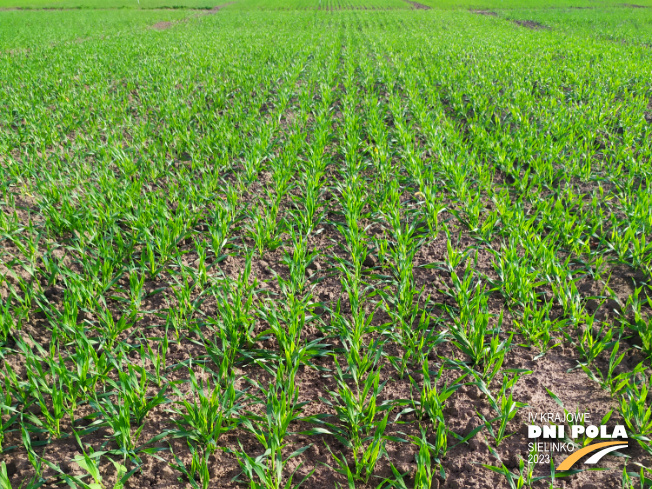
(340, 246)
(620, 24)
(20, 30)
(311, 4)
(107, 4)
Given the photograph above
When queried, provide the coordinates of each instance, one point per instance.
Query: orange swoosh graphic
(571, 459)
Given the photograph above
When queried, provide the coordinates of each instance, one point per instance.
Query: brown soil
(418, 6)
(531, 24)
(161, 26)
(217, 8)
(462, 464)
(485, 12)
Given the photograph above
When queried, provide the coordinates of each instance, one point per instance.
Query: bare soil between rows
(463, 465)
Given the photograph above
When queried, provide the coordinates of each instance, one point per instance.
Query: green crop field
(328, 244)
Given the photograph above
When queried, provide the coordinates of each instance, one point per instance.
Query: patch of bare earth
(217, 8)
(531, 24)
(161, 26)
(418, 6)
(484, 12)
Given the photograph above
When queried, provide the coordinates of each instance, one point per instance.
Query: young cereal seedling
(592, 343)
(524, 477)
(502, 403)
(265, 229)
(637, 480)
(118, 417)
(537, 327)
(197, 472)
(132, 385)
(282, 408)
(210, 412)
